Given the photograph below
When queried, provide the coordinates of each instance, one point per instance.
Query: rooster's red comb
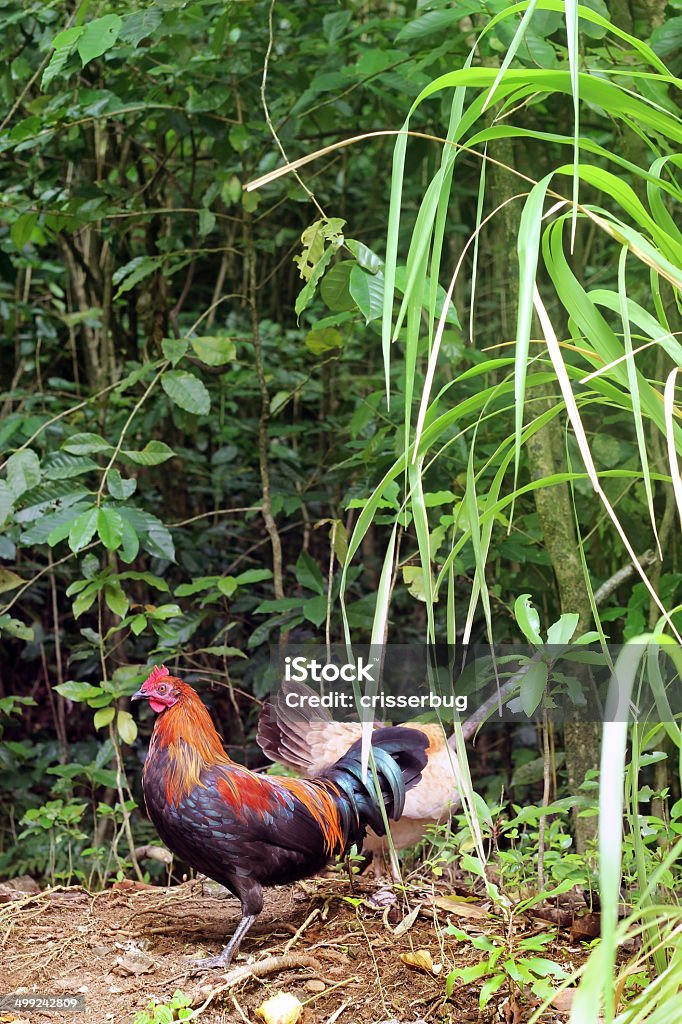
(156, 674)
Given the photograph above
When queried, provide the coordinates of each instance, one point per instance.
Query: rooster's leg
(231, 949)
(251, 897)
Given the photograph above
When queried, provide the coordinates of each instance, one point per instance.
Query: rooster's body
(246, 830)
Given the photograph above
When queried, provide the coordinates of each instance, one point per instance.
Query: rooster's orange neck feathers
(186, 731)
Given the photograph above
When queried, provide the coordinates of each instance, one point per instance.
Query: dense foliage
(198, 456)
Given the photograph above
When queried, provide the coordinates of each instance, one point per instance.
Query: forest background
(421, 387)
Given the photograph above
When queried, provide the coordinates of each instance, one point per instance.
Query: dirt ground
(125, 947)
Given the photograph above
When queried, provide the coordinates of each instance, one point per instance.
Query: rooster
(309, 741)
(247, 830)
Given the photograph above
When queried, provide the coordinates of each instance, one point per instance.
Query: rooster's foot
(208, 963)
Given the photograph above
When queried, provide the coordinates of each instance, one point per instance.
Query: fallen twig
(299, 932)
(258, 970)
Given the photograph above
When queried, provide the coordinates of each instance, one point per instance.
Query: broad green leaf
(253, 576)
(77, 691)
(127, 727)
(533, 686)
(6, 502)
(308, 574)
(103, 717)
(528, 619)
(315, 610)
(186, 391)
(22, 229)
(214, 350)
(115, 598)
(561, 631)
(119, 487)
(133, 272)
(62, 466)
(174, 350)
(223, 651)
(367, 291)
(86, 444)
(9, 580)
(16, 628)
(335, 287)
(227, 585)
(154, 453)
(202, 583)
(23, 472)
(83, 529)
(323, 339)
(150, 531)
(140, 25)
(98, 36)
(206, 222)
(64, 44)
(110, 528)
(85, 599)
(138, 624)
(130, 542)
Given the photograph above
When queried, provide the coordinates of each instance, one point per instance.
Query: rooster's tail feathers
(399, 759)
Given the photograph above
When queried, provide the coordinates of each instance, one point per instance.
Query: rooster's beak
(139, 696)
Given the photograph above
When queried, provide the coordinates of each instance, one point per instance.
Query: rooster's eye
(162, 688)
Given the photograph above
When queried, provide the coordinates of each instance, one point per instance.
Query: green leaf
(222, 651)
(202, 583)
(85, 599)
(335, 287)
(62, 466)
(23, 472)
(533, 686)
(22, 229)
(16, 628)
(130, 542)
(214, 350)
(140, 25)
(413, 577)
(103, 717)
(253, 576)
(315, 610)
(138, 624)
(98, 37)
(227, 585)
(9, 580)
(110, 528)
(86, 444)
(6, 502)
(64, 44)
(154, 536)
(187, 391)
(77, 691)
(323, 339)
(206, 222)
(127, 729)
(368, 293)
(83, 529)
(174, 350)
(115, 598)
(134, 271)
(561, 631)
(308, 574)
(528, 619)
(153, 453)
(118, 487)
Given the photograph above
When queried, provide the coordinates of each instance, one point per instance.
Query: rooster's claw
(209, 962)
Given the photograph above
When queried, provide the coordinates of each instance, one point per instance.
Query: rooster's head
(161, 689)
